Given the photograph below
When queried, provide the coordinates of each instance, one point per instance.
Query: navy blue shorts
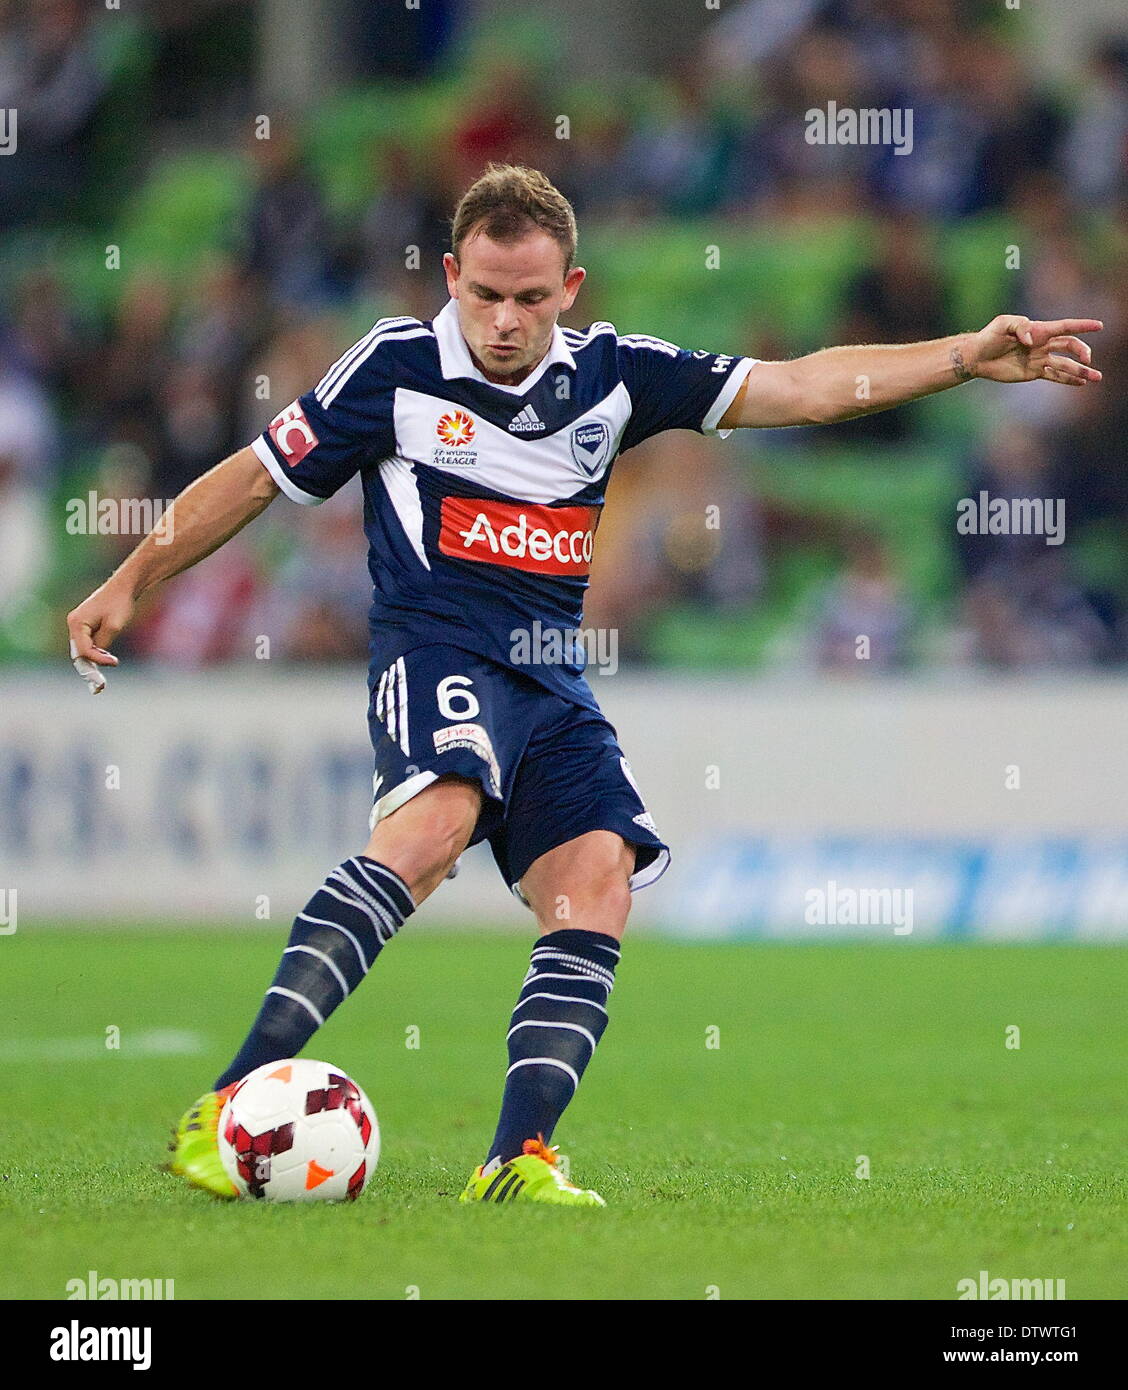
(550, 769)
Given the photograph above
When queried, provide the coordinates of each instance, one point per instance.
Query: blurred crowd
(140, 397)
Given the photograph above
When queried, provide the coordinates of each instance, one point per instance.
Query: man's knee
(421, 839)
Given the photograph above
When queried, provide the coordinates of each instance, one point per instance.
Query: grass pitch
(729, 1170)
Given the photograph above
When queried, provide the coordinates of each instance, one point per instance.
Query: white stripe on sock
(313, 951)
(357, 900)
(548, 1062)
(380, 878)
(563, 998)
(544, 953)
(377, 899)
(298, 999)
(324, 922)
(538, 975)
(543, 1023)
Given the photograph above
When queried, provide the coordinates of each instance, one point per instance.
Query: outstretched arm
(841, 382)
(205, 515)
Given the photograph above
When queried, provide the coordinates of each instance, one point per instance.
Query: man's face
(509, 298)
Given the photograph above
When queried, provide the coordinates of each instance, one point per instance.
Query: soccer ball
(299, 1131)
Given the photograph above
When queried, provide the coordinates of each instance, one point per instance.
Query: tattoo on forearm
(959, 366)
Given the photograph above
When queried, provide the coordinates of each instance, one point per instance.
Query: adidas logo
(526, 421)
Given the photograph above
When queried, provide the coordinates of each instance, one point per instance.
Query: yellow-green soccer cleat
(534, 1177)
(195, 1146)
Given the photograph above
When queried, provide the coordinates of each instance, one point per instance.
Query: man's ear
(450, 265)
(572, 282)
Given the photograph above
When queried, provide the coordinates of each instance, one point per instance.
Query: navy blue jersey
(481, 501)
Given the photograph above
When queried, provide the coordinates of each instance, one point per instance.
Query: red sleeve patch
(292, 434)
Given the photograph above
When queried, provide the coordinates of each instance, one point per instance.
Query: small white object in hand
(89, 672)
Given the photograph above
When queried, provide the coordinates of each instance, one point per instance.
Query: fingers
(1041, 331)
(1074, 373)
(1059, 326)
(1078, 372)
(1068, 372)
(1052, 374)
(82, 644)
(1053, 338)
(1076, 346)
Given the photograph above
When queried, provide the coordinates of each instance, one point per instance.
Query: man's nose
(505, 319)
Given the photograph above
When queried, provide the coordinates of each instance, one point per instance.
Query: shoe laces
(537, 1148)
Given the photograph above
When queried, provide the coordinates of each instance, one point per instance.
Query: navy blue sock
(560, 1017)
(334, 941)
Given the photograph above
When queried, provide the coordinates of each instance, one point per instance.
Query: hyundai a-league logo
(591, 443)
(455, 428)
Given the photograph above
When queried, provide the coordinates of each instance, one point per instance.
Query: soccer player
(485, 440)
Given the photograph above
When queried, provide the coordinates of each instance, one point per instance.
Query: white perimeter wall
(235, 788)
